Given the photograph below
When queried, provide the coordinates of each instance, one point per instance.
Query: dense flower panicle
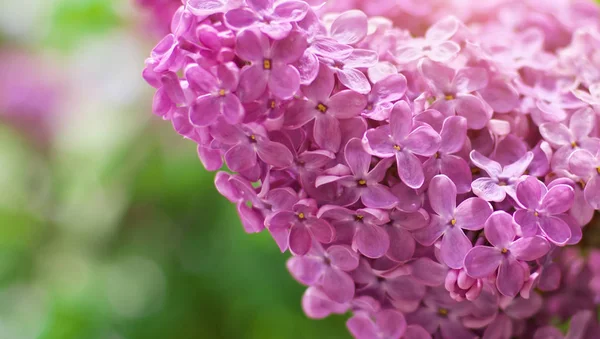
(426, 163)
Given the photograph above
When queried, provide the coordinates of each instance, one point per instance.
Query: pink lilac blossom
(428, 164)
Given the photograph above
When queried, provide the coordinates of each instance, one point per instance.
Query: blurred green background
(109, 226)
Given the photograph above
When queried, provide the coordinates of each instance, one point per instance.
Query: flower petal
(442, 196)
(346, 104)
(555, 229)
(558, 200)
(499, 229)
(338, 285)
(299, 239)
(530, 193)
(488, 190)
(472, 214)
(423, 140)
(274, 154)
(530, 248)
(428, 235)
(349, 27)
(454, 248)
(475, 110)
(354, 80)
(510, 277)
(482, 261)
(205, 110)
(284, 81)
(372, 241)
(378, 196)
(240, 157)
(410, 169)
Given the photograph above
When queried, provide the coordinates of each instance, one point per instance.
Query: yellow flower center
(453, 222)
(504, 251)
(397, 148)
(362, 182)
(536, 213)
(301, 216)
(267, 63)
(598, 170)
(574, 144)
(449, 97)
(222, 92)
(272, 104)
(322, 108)
(443, 311)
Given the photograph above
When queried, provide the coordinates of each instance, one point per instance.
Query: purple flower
(217, 97)
(327, 269)
(501, 180)
(247, 142)
(587, 166)
(540, 209)
(384, 93)
(272, 18)
(449, 221)
(568, 139)
(361, 227)
(402, 139)
(270, 64)
(301, 226)
(360, 183)
(435, 46)
(453, 91)
(348, 73)
(506, 254)
(453, 136)
(325, 109)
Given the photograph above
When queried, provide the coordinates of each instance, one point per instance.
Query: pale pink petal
(354, 80)
(284, 81)
(349, 27)
(488, 190)
(444, 51)
(556, 133)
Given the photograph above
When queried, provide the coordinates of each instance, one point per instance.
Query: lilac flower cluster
(427, 184)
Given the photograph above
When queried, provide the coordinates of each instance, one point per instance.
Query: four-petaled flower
(506, 254)
(404, 140)
(449, 221)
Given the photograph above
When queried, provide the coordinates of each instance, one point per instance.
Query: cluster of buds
(425, 163)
